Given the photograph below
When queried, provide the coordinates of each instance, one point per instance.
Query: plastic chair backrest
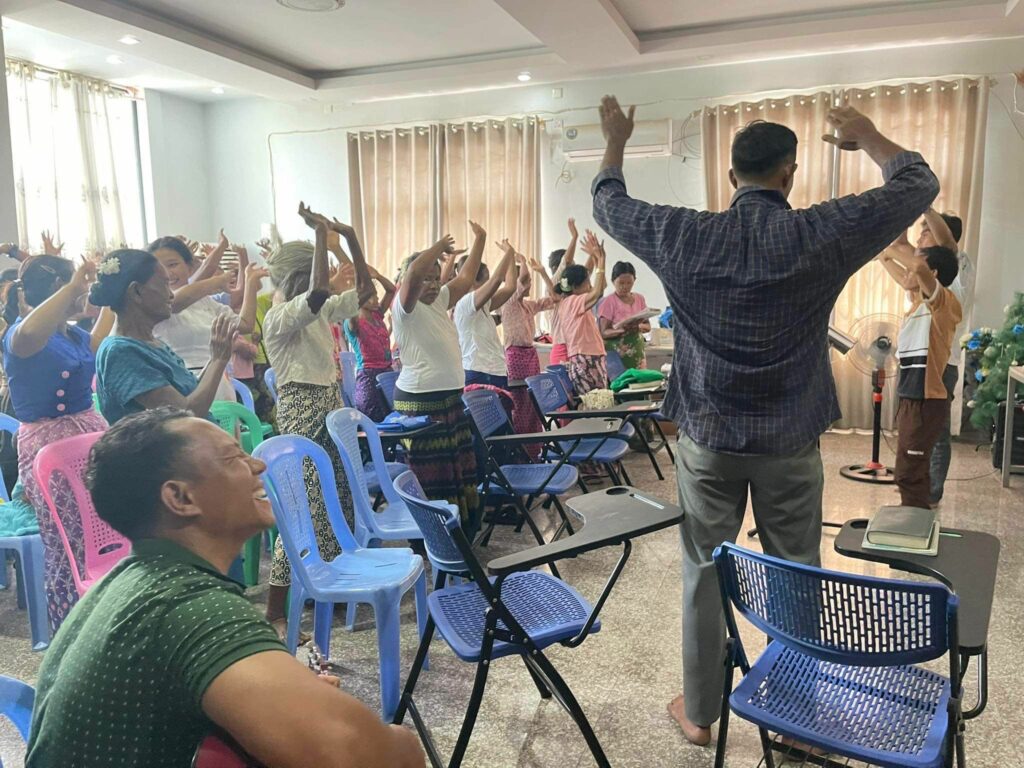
(285, 457)
(244, 394)
(563, 378)
(436, 520)
(386, 385)
(270, 379)
(103, 546)
(487, 412)
(343, 426)
(838, 617)
(229, 415)
(614, 364)
(547, 392)
(348, 377)
(16, 700)
(12, 425)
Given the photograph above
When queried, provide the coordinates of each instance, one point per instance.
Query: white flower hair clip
(564, 283)
(109, 266)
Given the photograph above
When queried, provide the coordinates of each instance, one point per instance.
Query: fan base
(869, 473)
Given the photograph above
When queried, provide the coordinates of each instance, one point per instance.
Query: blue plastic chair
(517, 481)
(393, 523)
(16, 700)
(348, 378)
(520, 614)
(31, 559)
(840, 674)
(379, 577)
(386, 385)
(549, 394)
(614, 364)
(244, 394)
(270, 379)
(562, 372)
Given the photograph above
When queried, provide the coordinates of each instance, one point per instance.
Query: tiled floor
(625, 675)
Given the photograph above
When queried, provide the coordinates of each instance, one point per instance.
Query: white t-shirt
(300, 344)
(482, 350)
(963, 288)
(188, 334)
(429, 346)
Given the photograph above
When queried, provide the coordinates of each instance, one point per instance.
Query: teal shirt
(127, 368)
(122, 683)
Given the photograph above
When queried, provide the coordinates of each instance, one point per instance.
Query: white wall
(260, 152)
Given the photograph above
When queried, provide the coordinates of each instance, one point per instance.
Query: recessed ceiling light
(129, 40)
(114, 59)
(218, 90)
(317, 6)
(525, 77)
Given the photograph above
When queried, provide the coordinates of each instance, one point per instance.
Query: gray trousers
(713, 487)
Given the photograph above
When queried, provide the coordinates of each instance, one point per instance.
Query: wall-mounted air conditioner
(651, 138)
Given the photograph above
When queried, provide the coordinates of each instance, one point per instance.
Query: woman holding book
(621, 330)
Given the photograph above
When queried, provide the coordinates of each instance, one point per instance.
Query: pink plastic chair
(104, 547)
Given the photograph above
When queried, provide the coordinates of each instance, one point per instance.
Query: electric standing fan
(874, 354)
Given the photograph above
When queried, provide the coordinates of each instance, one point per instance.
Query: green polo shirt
(123, 681)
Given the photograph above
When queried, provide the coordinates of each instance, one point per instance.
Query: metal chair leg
(671, 456)
(421, 656)
(625, 475)
(562, 514)
(542, 687)
(473, 709)
(723, 721)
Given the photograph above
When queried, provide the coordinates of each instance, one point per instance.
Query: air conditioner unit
(651, 138)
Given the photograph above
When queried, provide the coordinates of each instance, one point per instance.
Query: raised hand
(446, 244)
(241, 250)
(615, 125)
(254, 274)
(222, 241)
(345, 230)
(591, 245)
(49, 247)
(222, 336)
(506, 246)
(572, 229)
(851, 127)
(264, 245)
(342, 278)
(84, 277)
(313, 220)
(535, 265)
(478, 231)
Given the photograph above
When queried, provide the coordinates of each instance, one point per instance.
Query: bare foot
(694, 733)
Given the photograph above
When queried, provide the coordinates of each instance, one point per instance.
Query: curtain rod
(62, 73)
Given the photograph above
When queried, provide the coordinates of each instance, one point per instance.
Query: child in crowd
(585, 347)
(483, 358)
(923, 351)
(628, 340)
(369, 338)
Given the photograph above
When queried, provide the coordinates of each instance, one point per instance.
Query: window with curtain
(943, 120)
(410, 185)
(76, 163)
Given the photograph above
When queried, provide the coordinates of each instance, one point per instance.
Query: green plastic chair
(236, 419)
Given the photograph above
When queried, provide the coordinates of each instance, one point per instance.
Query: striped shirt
(752, 289)
(924, 345)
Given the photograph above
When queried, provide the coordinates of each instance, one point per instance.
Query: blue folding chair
(548, 394)
(348, 378)
(562, 372)
(270, 379)
(393, 523)
(379, 577)
(514, 481)
(613, 362)
(16, 700)
(31, 563)
(519, 614)
(386, 385)
(839, 673)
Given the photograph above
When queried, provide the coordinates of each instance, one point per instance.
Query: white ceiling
(373, 49)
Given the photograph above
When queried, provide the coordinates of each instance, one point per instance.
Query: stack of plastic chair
(270, 379)
(236, 419)
(66, 461)
(16, 700)
(393, 523)
(31, 564)
(486, 619)
(379, 577)
(840, 672)
(347, 360)
(246, 398)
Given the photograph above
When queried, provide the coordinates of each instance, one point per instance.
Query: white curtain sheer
(75, 160)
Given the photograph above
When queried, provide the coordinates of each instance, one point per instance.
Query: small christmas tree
(991, 353)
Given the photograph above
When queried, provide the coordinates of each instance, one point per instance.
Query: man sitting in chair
(166, 648)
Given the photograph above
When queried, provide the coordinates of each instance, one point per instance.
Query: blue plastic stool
(31, 590)
(16, 700)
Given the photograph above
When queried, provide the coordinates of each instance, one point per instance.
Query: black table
(966, 563)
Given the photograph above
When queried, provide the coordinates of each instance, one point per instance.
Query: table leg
(978, 708)
(1011, 391)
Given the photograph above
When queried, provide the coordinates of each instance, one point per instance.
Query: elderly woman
(50, 364)
(432, 377)
(135, 371)
(300, 344)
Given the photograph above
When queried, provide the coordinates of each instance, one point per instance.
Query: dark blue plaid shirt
(752, 289)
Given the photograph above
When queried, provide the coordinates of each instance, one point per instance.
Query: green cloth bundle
(635, 376)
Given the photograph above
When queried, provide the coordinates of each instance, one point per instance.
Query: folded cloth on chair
(17, 518)
(396, 422)
(635, 376)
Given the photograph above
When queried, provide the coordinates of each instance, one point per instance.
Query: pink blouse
(579, 326)
(615, 309)
(517, 317)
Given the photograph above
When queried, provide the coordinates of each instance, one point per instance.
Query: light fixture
(129, 40)
(524, 77)
(217, 90)
(114, 59)
(316, 6)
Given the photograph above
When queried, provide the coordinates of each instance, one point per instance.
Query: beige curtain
(491, 174)
(804, 114)
(945, 122)
(393, 192)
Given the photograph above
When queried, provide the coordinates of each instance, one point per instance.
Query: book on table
(639, 317)
(903, 529)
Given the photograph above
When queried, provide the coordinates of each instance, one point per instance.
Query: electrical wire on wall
(689, 160)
